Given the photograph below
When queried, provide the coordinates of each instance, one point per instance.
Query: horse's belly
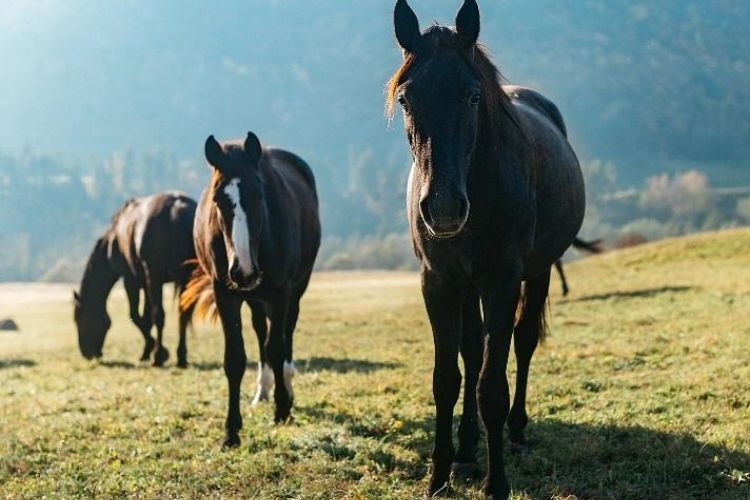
(561, 204)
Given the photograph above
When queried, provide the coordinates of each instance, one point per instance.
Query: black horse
(147, 244)
(495, 197)
(589, 246)
(257, 234)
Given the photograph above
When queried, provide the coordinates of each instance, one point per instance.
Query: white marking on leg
(265, 383)
(289, 373)
(240, 234)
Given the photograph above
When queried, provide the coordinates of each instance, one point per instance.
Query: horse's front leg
(465, 463)
(228, 306)
(443, 302)
(276, 350)
(133, 291)
(499, 303)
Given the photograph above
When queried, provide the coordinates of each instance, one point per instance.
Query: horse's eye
(403, 102)
(474, 100)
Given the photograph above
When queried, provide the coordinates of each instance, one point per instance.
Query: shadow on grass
(646, 293)
(313, 364)
(345, 365)
(621, 462)
(574, 460)
(207, 366)
(126, 365)
(6, 364)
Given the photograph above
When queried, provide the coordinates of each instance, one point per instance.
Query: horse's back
(294, 186)
(560, 194)
(156, 232)
(294, 169)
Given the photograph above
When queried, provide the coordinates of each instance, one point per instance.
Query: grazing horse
(147, 244)
(257, 233)
(589, 246)
(495, 197)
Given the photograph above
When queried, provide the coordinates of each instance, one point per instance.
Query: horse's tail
(539, 321)
(542, 325)
(590, 246)
(197, 298)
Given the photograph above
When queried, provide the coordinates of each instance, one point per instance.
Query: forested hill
(101, 101)
(644, 82)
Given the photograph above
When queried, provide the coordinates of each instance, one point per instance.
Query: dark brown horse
(147, 244)
(257, 233)
(495, 197)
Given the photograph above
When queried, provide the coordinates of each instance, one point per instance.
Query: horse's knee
(234, 365)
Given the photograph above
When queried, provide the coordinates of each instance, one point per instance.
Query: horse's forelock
(495, 102)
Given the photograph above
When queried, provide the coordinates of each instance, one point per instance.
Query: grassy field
(641, 392)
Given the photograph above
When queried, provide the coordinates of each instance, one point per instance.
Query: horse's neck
(99, 277)
(501, 166)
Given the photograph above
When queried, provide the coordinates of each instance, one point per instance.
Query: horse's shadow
(6, 364)
(314, 364)
(645, 293)
(614, 461)
(583, 461)
(343, 365)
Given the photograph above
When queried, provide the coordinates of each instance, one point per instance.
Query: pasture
(641, 391)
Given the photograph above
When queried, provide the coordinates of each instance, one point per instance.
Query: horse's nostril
(424, 209)
(463, 208)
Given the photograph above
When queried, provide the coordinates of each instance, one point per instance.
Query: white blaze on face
(240, 233)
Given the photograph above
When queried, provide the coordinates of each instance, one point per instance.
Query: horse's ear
(76, 297)
(467, 24)
(253, 148)
(406, 25)
(214, 152)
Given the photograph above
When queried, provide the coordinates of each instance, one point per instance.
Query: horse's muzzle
(241, 283)
(444, 218)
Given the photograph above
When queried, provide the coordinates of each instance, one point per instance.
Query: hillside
(641, 83)
(639, 392)
(93, 114)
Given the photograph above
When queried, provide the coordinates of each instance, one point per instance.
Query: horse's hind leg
(182, 346)
(154, 296)
(465, 462)
(525, 339)
(276, 349)
(265, 373)
(143, 322)
(559, 267)
(291, 324)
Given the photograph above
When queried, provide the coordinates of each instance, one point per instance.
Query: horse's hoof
(281, 419)
(496, 490)
(230, 442)
(182, 364)
(436, 491)
(161, 356)
(465, 472)
(258, 399)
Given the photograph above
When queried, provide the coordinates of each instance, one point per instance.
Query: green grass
(641, 391)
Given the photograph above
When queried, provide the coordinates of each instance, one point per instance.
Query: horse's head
(238, 193)
(92, 324)
(440, 91)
